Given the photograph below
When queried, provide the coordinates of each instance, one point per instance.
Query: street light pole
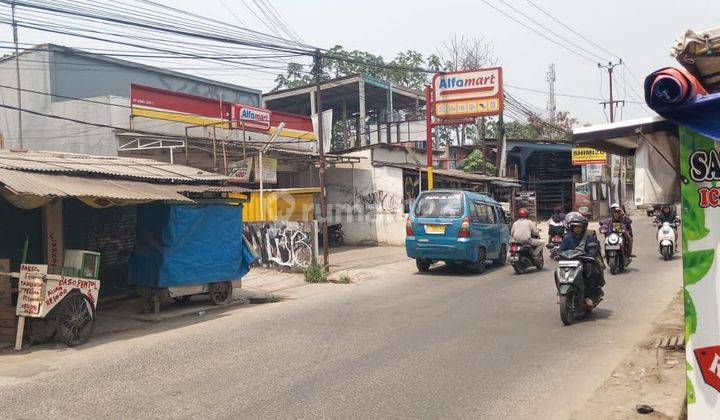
(317, 69)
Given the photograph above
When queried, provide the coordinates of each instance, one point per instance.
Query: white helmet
(614, 206)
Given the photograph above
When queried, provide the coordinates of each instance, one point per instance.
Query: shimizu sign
(470, 93)
(587, 156)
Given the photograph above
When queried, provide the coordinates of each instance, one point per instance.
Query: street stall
(110, 211)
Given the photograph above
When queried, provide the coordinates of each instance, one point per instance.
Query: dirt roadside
(648, 375)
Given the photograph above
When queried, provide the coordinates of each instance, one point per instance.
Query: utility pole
(611, 103)
(551, 105)
(17, 74)
(317, 69)
(610, 66)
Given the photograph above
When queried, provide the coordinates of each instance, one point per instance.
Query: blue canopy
(180, 245)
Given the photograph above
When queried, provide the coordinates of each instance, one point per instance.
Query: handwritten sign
(30, 289)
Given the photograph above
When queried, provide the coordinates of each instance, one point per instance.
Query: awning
(94, 191)
(621, 138)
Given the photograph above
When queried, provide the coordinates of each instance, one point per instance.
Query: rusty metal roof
(54, 185)
(105, 166)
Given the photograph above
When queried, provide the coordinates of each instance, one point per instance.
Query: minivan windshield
(440, 205)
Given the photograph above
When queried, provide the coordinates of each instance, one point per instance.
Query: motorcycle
(615, 254)
(336, 235)
(666, 238)
(556, 237)
(521, 257)
(572, 286)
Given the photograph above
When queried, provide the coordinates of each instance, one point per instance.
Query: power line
(570, 29)
(551, 31)
(538, 32)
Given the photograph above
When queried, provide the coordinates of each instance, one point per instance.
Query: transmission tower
(551, 106)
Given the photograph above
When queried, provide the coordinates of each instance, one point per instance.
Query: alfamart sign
(471, 93)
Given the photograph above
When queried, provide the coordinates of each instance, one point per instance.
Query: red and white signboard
(251, 117)
(470, 93)
(39, 292)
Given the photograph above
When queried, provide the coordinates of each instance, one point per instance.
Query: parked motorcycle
(572, 286)
(615, 254)
(336, 234)
(666, 238)
(521, 257)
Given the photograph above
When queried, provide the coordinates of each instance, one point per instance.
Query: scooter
(521, 257)
(336, 235)
(572, 286)
(666, 239)
(615, 254)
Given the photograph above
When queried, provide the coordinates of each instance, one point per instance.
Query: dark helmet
(666, 208)
(523, 212)
(576, 218)
(558, 209)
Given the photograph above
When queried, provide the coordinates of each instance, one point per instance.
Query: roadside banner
(699, 163)
(583, 198)
(587, 156)
(269, 170)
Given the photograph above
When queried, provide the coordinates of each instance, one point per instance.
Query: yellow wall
(280, 205)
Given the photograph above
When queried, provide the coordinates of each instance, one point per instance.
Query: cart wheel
(221, 292)
(75, 319)
(182, 299)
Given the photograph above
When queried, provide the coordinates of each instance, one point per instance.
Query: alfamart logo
(476, 83)
(252, 115)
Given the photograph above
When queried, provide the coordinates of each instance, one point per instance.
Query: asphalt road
(404, 345)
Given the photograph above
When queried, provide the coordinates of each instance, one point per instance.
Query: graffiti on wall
(282, 243)
(379, 201)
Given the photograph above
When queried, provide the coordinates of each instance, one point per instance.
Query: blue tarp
(678, 96)
(188, 244)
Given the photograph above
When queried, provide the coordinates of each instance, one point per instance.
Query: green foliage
(473, 163)
(364, 63)
(315, 273)
(690, 389)
(690, 316)
(696, 264)
(344, 279)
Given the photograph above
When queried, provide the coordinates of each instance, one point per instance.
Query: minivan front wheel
(422, 264)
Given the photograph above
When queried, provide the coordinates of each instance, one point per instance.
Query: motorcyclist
(618, 216)
(667, 214)
(579, 238)
(525, 231)
(556, 224)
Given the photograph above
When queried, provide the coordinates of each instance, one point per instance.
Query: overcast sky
(641, 32)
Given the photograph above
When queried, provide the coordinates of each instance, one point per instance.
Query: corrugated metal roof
(47, 185)
(451, 173)
(120, 167)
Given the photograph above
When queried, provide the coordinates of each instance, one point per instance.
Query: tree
(473, 163)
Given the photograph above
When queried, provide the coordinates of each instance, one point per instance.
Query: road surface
(403, 345)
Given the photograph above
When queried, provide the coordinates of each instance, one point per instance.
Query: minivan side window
(473, 211)
(500, 215)
(485, 213)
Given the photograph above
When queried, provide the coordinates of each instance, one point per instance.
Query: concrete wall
(367, 200)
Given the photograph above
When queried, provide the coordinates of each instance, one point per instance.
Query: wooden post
(19, 334)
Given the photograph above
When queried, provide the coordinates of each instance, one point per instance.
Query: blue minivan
(456, 227)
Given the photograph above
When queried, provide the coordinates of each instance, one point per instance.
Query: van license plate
(435, 229)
